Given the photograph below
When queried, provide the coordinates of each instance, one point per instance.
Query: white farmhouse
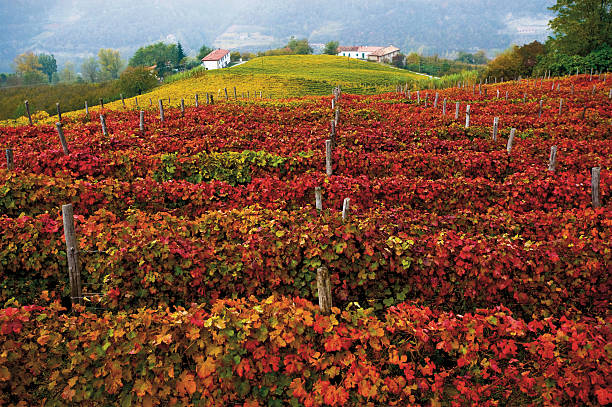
(217, 59)
(378, 54)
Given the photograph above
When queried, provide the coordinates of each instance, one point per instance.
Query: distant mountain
(75, 29)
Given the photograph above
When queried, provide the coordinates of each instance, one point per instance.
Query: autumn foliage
(466, 274)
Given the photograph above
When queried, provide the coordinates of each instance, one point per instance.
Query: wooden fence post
(27, 106)
(212, 100)
(226, 95)
(610, 94)
(333, 133)
(324, 290)
(60, 133)
(10, 163)
(444, 107)
(345, 209)
(207, 98)
(196, 100)
(103, 123)
(122, 100)
(328, 157)
(72, 251)
(235, 95)
(467, 116)
(595, 197)
(560, 106)
(552, 161)
(436, 101)
(495, 126)
(457, 111)
(59, 112)
(318, 199)
(161, 110)
(86, 110)
(142, 118)
(506, 95)
(136, 101)
(510, 140)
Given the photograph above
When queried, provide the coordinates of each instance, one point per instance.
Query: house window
(363, 55)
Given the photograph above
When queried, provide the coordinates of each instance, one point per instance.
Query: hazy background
(75, 29)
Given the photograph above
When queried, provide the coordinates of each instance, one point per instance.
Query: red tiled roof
(359, 48)
(385, 51)
(216, 55)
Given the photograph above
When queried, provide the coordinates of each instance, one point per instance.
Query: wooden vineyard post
(324, 290)
(345, 209)
(510, 140)
(136, 101)
(540, 111)
(142, 119)
(60, 133)
(226, 95)
(10, 163)
(235, 95)
(418, 97)
(212, 100)
(337, 116)
(560, 106)
(318, 199)
(333, 104)
(59, 112)
(150, 102)
(27, 106)
(444, 107)
(495, 127)
(457, 111)
(86, 110)
(72, 248)
(467, 116)
(595, 197)
(101, 103)
(328, 157)
(436, 101)
(207, 98)
(610, 94)
(182, 107)
(196, 100)
(333, 133)
(161, 110)
(103, 123)
(506, 95)
(552, 161)
(594, 89)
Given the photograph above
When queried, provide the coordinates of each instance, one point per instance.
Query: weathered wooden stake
(418, 97)
(510, 140)
(226, 95)
(101, 103)
(552, 161)
(333, 133)
(337, 115)
(467, 116)
(72, 251)
(495, 126)
(142, 118)
(540, 111)
(610, 94)
(161, 110)
(136, 101)
(328, 157)
(235, 95)
(444, 107)
(60, 133)
(10, 163)
(324, 290)
(103, 123)
(593, 92)
(318, 199)
(212, 100)
(436, 101)
(595, 197)
(333, 104)
(196, 100)
(345, 209)
(560, 106)
(86, 110)
(207, 98)
(27, 106)
(457, 111)
(59, 112)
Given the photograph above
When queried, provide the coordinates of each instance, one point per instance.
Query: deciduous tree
(110, 63)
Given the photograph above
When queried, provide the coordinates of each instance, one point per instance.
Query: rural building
(359, 52)
(385, 54)
(217, 59)
(378, 54)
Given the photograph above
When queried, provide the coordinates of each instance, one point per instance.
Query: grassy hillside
(281, 77)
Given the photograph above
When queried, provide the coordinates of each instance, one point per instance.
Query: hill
(275, 77)
(75, 30)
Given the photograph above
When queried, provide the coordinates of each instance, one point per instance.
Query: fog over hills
(75, 29)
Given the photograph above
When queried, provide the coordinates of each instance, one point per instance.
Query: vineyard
(469, 265)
